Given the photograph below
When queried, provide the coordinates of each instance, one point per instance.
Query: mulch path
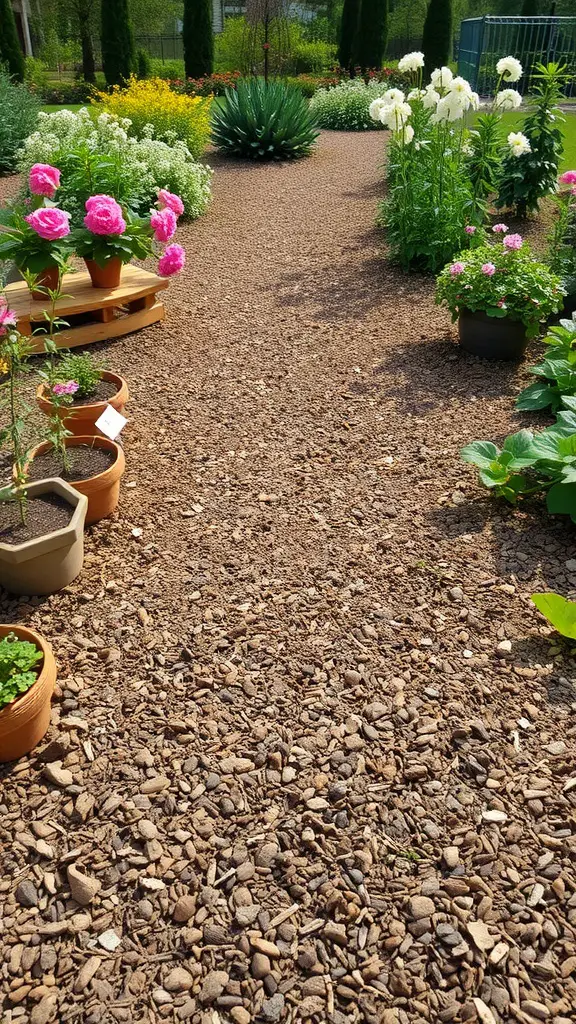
(312, 755)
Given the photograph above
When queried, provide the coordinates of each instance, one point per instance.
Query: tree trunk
(88, 66)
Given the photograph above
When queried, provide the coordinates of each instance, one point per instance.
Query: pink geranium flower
(500, 229)
(170, 200)
(457, 268)
(512, 242)
(44, 180)
(172, 260)
(488, 269)
(568, 178)
(470, 229)
(69, 388)
(104, 216)
(8, 317)
(49, 222)
(164, 224)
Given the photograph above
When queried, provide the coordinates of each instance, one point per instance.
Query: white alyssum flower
(441, 78)
(507, 99)
(467, 149)
(375, 108)
(519, 144)
(394, 96)
(510, 68)
(411, 61)
(431, 97)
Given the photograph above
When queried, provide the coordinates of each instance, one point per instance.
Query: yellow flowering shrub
(150, 101)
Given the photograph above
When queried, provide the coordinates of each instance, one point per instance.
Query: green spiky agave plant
(263, 122)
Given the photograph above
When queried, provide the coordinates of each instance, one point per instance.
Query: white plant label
(111, 422)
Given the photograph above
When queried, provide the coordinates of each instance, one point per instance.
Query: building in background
(21, 10)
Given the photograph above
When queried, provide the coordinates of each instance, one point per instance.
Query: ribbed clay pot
(47, 278)
(24, 722)
(81, 419)
(107, 276)
(48, 563)
(102, 490)
(492, 337)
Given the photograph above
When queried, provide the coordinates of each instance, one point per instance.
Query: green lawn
(513, 122)
(51, 108)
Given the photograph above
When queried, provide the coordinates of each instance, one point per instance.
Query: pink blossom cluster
(104, 216)
(171, 261)
(163, 222)
(488, 268)
(44, 180)
(470, 229)
(512, 242)
(49, 222)
(457, 268)
(500, 229)
(170, 201)
(7, 316)
(568, 178)
(69, 388)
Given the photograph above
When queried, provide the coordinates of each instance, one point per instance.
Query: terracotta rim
(108, 476)
(120, 397)
(24, 708)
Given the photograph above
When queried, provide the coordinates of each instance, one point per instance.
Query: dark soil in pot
(85, 463)
(44, 514)
(103, 392)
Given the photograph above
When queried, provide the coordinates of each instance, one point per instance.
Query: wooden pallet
(92, 314)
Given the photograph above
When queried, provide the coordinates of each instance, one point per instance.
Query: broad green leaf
(536, 396)
(561, 499)
(494, 476)
(480, 453)
(560, 612)
(569, 402)
(519, 446)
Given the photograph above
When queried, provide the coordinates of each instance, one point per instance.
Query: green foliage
(500, 468)
(133, 243)
(312, 57)
(229, 46)
(348, 32)
(83, 367)
(527, 178)
(18, 673)
(14, 352)
(36, 75)
(263, 122)
(484, 160)
(198, 38)
(556, 373)
(521, 288)
(171, 70)
(372, 34)
(346, 107)
(560, 613)
(10, 50)
(437, 34)
(19, 110)
(117, 42)
(143, 64)
(98, 156)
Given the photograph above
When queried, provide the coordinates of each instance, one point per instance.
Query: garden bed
(301, 671)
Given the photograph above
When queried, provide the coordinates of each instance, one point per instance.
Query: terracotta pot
(82, 418)
(49, 563)
(103, 490)
(107, 276)
(492, 337)
(24, 722)
(46, 279)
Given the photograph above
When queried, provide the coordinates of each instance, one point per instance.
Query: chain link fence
(537, 40)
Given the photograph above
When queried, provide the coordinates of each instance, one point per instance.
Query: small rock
(260, 966)
(213, 986)
(335, 932)
(82, 888)
(109, 940)
(272, 1009)
(420, 907)
(57, 774)
(184, 909)
(27, 893)
(155, 785)
(178, 980)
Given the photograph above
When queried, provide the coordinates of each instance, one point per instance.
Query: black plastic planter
(492, 337)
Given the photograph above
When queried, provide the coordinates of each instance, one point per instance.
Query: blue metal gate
(533, 40)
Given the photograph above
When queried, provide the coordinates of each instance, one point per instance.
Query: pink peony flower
(164, 224)
(69, 388)
(172, 260)
(44, 180)
(500, 229)
(49, 222)
(8, 317)
(568, 178)
(501, 304)
(457, 268)
(512, 242)
(488, 269)
(104, 216)
(170, 200)
(470, 229)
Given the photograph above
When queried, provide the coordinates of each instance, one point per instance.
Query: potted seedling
(41, 523)
(111, 235)
(500, 295)
(27, 678)
(34, 233)
(80, 407)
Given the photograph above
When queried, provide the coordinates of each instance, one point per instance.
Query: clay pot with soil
(80, 416)
(45, 552)
(107, 276)
(24, 721)
(47, 278)
(96, 467)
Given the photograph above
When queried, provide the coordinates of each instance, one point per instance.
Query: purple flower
(488, 269)
(457, 268)
(500, 229)
(512, 242)
(470, 229)
(69, 388)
